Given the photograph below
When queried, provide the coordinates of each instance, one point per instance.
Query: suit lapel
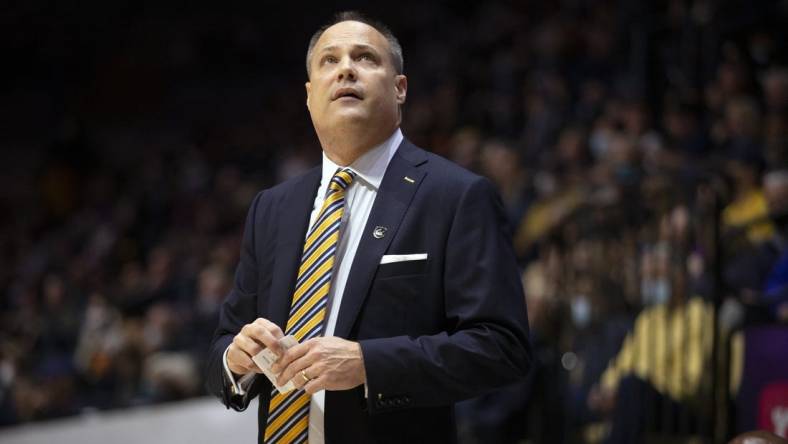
(294, 211)
(392, 202)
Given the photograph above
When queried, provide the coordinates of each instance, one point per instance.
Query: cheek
(320, 90)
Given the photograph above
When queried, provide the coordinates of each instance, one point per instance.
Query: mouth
(347, 93)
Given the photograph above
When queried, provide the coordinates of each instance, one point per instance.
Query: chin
(348, 116)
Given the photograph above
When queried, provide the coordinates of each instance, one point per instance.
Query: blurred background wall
(194, 421)
(640, 149)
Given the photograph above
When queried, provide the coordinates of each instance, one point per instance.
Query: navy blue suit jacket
(432, 332)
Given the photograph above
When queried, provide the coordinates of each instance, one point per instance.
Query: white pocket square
(391, 258)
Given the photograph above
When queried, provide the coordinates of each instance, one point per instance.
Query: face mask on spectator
(581, 311)
(655, 291)
(599, 142)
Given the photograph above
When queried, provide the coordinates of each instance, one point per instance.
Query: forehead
(351, 33)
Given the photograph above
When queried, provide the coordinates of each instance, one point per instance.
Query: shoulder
(268, 200)
(283, 189)
(449, 190)
(440, 170)
(445, 176)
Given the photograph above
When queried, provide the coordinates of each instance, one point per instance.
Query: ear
(401, 88)
(308, 87)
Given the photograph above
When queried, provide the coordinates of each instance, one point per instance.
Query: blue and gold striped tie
(288, 414)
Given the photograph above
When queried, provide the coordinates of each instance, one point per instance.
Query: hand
(251, 340)
(329, 363)
(601, 399)
(782, 312)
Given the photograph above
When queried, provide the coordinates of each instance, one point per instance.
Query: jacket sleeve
(485, 344)
(238, 309)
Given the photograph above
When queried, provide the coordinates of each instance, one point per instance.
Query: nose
(347, 71)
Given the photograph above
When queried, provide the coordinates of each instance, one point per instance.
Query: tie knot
(341, 180)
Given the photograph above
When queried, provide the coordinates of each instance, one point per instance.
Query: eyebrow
(355, 46)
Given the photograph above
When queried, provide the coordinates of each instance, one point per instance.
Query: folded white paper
(266, 358)
(391, 258)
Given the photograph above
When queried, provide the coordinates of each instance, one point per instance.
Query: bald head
(775, 187)
(394, 48)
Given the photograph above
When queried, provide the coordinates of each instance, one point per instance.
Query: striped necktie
(288, 414)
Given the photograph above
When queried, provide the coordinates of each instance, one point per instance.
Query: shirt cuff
(239, 387)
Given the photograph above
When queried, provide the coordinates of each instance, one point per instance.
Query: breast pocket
(395, 291)
(401, 269)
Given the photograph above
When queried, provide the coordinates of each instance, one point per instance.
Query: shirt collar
(371, 166)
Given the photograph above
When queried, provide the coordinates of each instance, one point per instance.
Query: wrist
(362, 368)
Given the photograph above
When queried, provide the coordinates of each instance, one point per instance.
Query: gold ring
(306, 378)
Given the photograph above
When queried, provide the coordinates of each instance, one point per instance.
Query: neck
(343, 146)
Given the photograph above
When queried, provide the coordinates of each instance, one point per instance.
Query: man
(759, 273)
(391, 266)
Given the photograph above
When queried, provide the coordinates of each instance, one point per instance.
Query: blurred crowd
(641, 152)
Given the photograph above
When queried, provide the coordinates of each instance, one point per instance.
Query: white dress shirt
(359, 198)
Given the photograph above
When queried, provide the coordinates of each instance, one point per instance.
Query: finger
(271, 327)
(246, 345)
(304, 362)
(291, 372)
(239, 362)
(315, 385)
(290, 355)
(301, 378)
(264, 336)
(313, 371)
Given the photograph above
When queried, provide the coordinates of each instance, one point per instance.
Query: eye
(366, 56)
(329, 59)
